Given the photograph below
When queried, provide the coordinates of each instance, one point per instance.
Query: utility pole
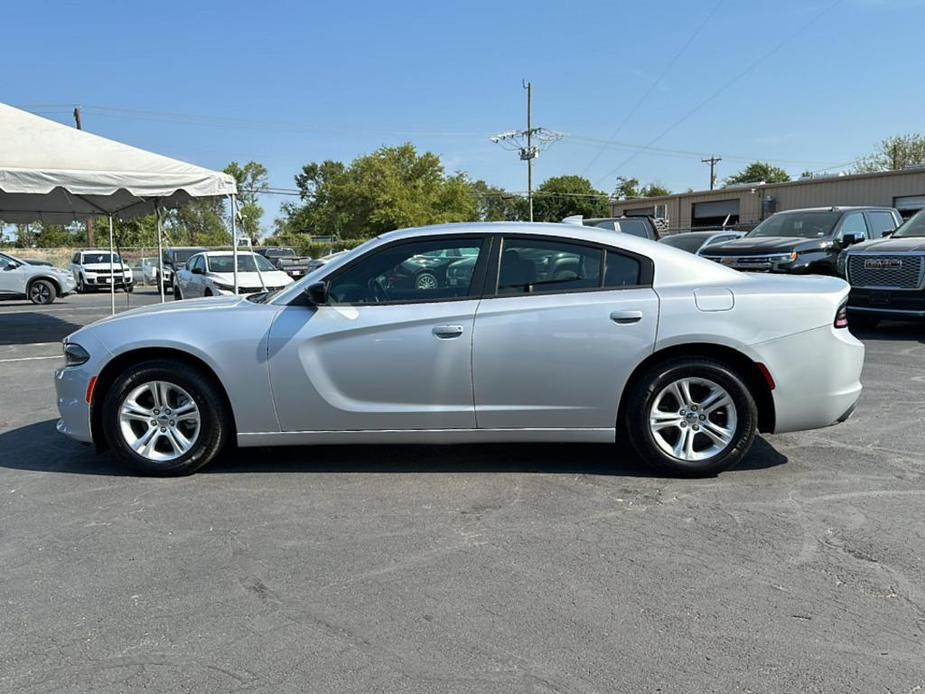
(523, 142)
(91, 241)
(712, 161)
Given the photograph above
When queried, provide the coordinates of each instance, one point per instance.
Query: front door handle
(445, 332)
(625, 317)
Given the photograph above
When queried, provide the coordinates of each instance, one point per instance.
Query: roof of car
(838, 208)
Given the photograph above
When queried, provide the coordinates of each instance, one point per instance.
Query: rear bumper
(817, 375)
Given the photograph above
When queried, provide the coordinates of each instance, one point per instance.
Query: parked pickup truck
(285, 259)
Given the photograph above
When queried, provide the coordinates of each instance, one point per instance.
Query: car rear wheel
(164, 418)
(42, 292)
(426, 280)
(691, 417)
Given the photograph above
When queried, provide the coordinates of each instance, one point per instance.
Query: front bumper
(887, 304)
(817, 375)
(71, 385)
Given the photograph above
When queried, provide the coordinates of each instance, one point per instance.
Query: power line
(656, 82)
(751, 66)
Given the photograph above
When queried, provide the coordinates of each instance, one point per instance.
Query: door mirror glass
(197, 270)
(317, 293)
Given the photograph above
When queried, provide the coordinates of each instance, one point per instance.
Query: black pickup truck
(887, 276)
(285, 259)
(806, 241)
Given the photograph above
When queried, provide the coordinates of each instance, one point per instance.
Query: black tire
(426, 280)
(176, 293)
(859, 321)
(129, 288)
(214, 416)
(41, 292)
(208, 292)
(81, 287)
(646, 390)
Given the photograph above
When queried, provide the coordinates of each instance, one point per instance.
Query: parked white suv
(95, 269)
(40, 283)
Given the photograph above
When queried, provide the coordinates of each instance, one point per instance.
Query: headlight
(74, 354)
(841, 263)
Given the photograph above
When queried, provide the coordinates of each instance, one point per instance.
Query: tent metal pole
(112, 272)
(160, 252)
(234, 240)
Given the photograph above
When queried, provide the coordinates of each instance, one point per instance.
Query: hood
(910, 244)
(204, 304)
(276, 278)
(765, 244)
(103, 266)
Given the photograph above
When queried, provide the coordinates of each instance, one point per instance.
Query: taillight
(841, 316)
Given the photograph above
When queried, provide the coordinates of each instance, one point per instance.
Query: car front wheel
(165, 418)
(691, 417)
(42, 292)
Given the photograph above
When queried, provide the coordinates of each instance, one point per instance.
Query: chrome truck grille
(885, 271)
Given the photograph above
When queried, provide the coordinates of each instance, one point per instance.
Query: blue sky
(807, 84)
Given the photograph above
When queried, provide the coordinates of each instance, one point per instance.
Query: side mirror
(852, 238)
(317, 293)
(885, 234)
(197, 271)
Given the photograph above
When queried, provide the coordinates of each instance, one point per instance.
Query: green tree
(759, 172)
(198, 222)
(562, 196)
(252, 180)
(497, 205)
(392, 188)
(626, 189)
(897, 152)
(655, 190)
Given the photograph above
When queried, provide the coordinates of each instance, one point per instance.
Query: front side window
(531, 266)
(6, 263)
(417, 271)
(854, 224)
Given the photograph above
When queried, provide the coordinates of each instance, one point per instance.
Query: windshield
(246, 263)
(181, 255)
(806, 225)
(280, 252)
(89, 258)
(686, 242)
(914, 226)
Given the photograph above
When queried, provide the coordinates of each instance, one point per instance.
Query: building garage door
(715, 213)
(908, 205)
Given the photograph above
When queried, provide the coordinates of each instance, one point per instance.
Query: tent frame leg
(112, 272)
(160, 252)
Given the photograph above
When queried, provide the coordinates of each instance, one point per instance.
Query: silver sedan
(529, 332)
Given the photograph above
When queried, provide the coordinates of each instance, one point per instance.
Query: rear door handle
(445, 332)
(625, 317)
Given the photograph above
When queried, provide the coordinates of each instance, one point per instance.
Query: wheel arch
(751, 373)
(54, 283)
(122, 361)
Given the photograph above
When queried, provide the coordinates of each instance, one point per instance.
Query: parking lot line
(6, 361)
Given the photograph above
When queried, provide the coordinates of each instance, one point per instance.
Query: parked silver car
(40, 283)
(562, 333)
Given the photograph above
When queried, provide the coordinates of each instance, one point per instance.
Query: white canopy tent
(56, 174)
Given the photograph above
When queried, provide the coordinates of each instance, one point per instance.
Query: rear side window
(621, 271)
(880, 223)
(633, 227)
(531, 266)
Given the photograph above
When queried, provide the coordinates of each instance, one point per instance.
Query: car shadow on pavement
(40, 447)
(30, 327)
(893, 332)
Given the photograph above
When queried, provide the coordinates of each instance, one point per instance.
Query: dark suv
(805, 241)
(887, 276)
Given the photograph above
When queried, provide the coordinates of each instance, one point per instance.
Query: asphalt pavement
(528, 568)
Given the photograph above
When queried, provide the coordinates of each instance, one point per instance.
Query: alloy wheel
(693, 419)
(425, 281)
(159, 420)
(40, 293)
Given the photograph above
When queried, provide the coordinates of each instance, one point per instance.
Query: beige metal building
(746, 205)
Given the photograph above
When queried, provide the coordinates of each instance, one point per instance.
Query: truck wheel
(691, 417)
